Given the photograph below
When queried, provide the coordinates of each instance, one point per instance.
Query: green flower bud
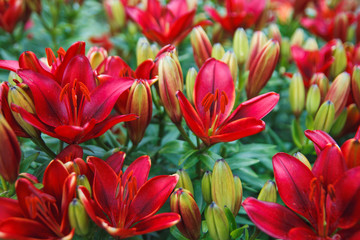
(143, 50)
(340, 62)
(230, 59)
(217, 222)
(355, 84)
(78, 218)
(184, 181)
(297, 39)
(313, 99)
(238, 195)
(339, 123)
(241, 45)
(297, 94)
(190, 83)
(311, 45)
(323, 83)
(324, 118)
(303, 159)
(82, 180)
(206, 187)
(218, 51)
(116, 15)
(268, 192)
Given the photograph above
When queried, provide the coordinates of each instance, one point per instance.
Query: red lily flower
(125, 203)
(239, 13)
(39, 214)
(168, 24)
(214, 97)
(11, 12)
(325, 196)
(311, 62)
(69, 104)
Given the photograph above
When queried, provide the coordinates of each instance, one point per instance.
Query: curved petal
(69, 153)
(28, 60)
(143, 71)
(303, 233)
(9, 208)
(74, 134)
(293, 180)
(116, 161)
(156, 223)
(68, 194)
(320, 139)
(140, 169)
(150, 198)
(116, 67)
(272, 218)
(54, 179)
(10, 65)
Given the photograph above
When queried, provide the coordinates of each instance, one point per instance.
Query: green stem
(42, 145)
(184, 135)
(4, 184)
(161, 128)
(101, 144)
(255, 234)
(133, 147)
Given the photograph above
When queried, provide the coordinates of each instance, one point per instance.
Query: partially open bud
(274, 32)
(206, 187)
(217, 222)
(201, 45)
(257, 43)
(116, 15)
(238, 195)
(297, 94)
(355, 84)
(18, 96)
(230, 59)
(311, 45)
(170, 81)
(183, 203)
(10, 153)
(82, 180)
(218, 51)
(323, 83)
(313, 99)
(262, 68)
(184, 181)
(143, 51)
(351, 151)
(140, 103)
(96, 56)
(297, 39)
(78, 218)
(268, 192)
(339, 92)
(340, 61)
(324, 118)
(339, 123)
(303, 159)
(241, 46)
(190, 83)
(222, 185)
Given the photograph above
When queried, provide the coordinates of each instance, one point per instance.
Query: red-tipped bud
(339, 92)
(262, 68)
(257, 43)
(116, 15)
(183, 203)
(351, 151)
(10, 153)
(323, 83)
(170, 81)
(355, 85)
(341, 26)
(140, 103)
(96, 56)
(144, 50)
(274, 32)
(201, 45)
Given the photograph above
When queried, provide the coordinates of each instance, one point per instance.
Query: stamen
(331, 192)
(61, 53)
(63, 91)
(313, 184)
(50, 56)
(207, 101)
(74, 97)
(85, 91)
(223, 101)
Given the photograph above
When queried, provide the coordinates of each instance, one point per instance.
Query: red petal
(74, 134)
(116, 161)
(28, 60)
(150, 198)
(140, 169)
(117, 67)
(303, 233)
(144, 69)
(54, 179)
(24, 229)
(10, 65)
(293, 180)
(9, 208)
(70, 153)
(68, 194)
(320, 139)
(156, 223)
(330, 164)
(272, 218)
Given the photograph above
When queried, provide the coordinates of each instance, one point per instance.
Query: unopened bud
(274, 32)
(341, 26)
(230, 59)
(351, 151)
(190, 83)
(340, 61)
(96, 56)
(13, 76)
(313, 99)
(241, 46)
(218, 51)
(184, 181)
(206, 187)
(325, 116)
(143, 50)
(297, 94)
(238, 195)
(115, 12)
(217, 222)
(201, 45)
(339, 123)
(355, 84)
(297, 39)
(303, 159)
(257, 43)
(78, 218)
(323, 83)
(268, 192)
(311, 45)
(82, 180)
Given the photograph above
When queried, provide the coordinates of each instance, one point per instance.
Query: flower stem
(184, 135)
(255, 234)
(42, 145)
(3, 183)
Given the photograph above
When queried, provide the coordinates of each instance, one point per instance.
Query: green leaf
(172, 147)
(231, 219)
(236, 163)
(237, 233)
(176, 233)
(25, 163)
(186, 156)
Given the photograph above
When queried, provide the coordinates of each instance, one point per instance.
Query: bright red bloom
(71, 103)
(325, 196)
(39, 214)
(351, 150)
(11, 12)
(168, 24)
(125, 202)
(311, 62)
(239, 13)
(214, 97)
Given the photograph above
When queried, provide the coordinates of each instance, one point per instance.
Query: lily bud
(313, 99)
(324, 118)
(170, 81)
(311, 45)
(82, 180)
(340, 62)
(218, 51)
(201, 45)
(18, 96)
(268, 192)
(217, 222)
(140, 103)
(190, 83)
(10, 153)
(339, 123)
(238, 195)
(285, 50)
(96, 56)
(297, 39)
(78, 218)
(262, 68)
(155, 49)
(355, 84)
(222, 185)
(184, 181)
(206, 187)
(241, 46)
(341, 26)
(323, 83)
(297, 94)
(257, 43)
(351, 151)
(230, 59)
(183, 203)
(303, 159)
(143, 50)
(116, 15)
(339, 92)
(274, 32)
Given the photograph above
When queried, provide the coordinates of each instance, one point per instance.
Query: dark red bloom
(214, 98)
(125, 202)
(11, 12)
(168, 24)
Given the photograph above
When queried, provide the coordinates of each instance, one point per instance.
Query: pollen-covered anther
(331, 192)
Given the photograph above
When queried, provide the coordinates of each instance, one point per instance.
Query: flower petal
(24, 229)
(156, 223)
(302, 233)
(9, 208)
(10, 65)
(69, 153)
(140, 169)
(320, 139)
(116, 161)
(144, 69)
(54, 179)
